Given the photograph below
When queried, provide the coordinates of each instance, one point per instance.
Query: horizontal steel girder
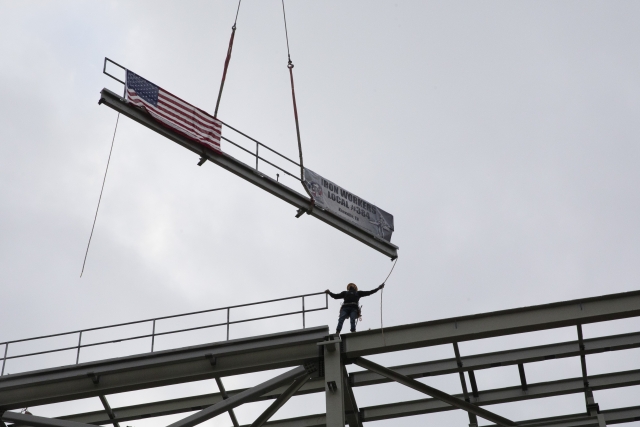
(364, 378)
(503, 358)
(34, 421)
(611, 416)
(373, 413)
(506, 322)
(286, 349)
(246, 172)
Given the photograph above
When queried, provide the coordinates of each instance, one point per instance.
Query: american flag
(173, 112)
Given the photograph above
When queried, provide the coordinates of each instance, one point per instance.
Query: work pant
(350, 311)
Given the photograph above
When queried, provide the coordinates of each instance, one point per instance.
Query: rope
(227, 60)
(293, 92)
(100, 198)
(381, 293)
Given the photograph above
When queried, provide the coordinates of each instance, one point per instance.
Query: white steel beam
(248, 173)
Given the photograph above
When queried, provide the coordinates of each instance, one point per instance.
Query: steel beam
(233, 357)
(486, 325)
(240, 398)
(34, 421)
(504, 358)
(364, 378)
(504, 395)
(280, 401)
(433, 392)
(248, 173)
(611, 416)
(225, 396)
(352, 412)
(108, 410)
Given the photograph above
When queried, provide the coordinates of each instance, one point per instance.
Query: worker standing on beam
(350, 307)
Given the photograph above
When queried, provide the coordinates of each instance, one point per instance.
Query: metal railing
(258, 144)
(155, 334)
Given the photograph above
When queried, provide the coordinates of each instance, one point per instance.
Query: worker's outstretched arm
(335, 296)
(367, 293)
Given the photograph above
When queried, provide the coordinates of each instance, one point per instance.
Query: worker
(350, 306)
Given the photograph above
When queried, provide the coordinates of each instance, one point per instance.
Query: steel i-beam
(34, 421)
(248, 173)
(334, 381)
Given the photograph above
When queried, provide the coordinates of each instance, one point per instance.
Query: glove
(381, 286)
(327, 291)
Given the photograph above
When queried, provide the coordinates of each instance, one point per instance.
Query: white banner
(348, 206)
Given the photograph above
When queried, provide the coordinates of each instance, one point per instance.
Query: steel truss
(317, 363)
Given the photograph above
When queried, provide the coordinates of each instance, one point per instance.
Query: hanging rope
(226, 61)
(293, 92)
(381, 293)
(100, 198)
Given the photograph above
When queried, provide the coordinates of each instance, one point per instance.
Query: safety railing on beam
(253, 142)
(152, 324)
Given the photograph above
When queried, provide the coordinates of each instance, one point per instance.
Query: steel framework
(316, 363)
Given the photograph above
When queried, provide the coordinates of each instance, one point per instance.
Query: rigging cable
(226, 62)
(382, 292)
(293, 92)
(100, 198)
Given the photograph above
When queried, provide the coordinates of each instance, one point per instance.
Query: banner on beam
(330, 196)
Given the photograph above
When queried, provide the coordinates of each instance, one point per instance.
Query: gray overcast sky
(503, 137)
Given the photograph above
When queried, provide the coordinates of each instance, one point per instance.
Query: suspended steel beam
(435, 393)
(486, 325)
(240, 398)
(92, 379)
(248, 173)
(280, 401)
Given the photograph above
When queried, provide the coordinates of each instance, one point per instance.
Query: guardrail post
(228, 317)
(303, 322)
(79, 343)
(257, 148)
(4, 359)
(153, 334)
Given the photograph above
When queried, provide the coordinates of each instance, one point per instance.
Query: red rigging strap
(226, 61)
(293, 93)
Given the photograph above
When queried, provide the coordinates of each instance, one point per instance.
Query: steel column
(435, 393)
(334, 382)
(239, 399)
(280, 401)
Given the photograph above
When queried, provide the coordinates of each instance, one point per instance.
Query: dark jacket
(352, 297)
